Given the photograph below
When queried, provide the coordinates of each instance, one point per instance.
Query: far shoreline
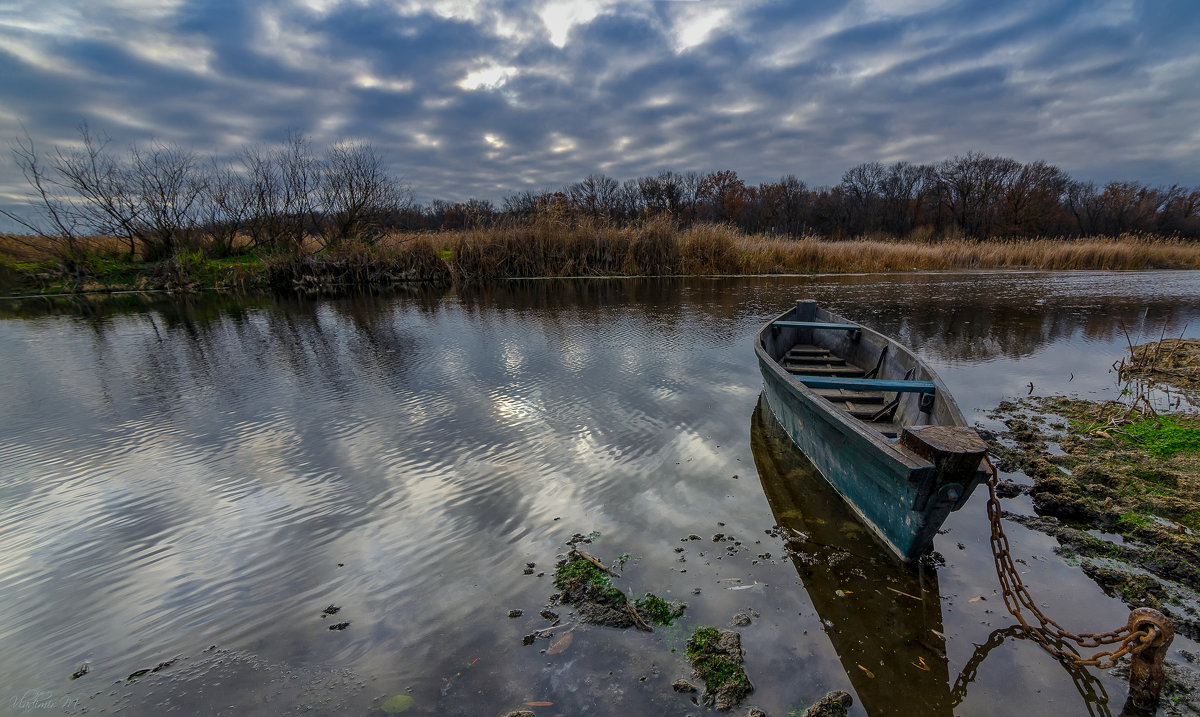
(38, 266)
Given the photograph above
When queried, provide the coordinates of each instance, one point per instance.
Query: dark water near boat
(197, 479)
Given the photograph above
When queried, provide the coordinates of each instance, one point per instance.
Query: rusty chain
(1141, 632)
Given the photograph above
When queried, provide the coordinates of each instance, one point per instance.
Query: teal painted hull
(898, 494)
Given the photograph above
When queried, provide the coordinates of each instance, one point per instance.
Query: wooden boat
(874, 419)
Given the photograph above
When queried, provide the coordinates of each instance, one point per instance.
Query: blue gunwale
(868, 384)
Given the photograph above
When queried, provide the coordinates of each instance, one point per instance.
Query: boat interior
(862, 373)
(869, 405)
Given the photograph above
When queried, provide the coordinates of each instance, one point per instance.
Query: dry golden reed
(545, 247)
(551, 245)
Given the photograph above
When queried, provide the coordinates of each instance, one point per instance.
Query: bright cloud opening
(694, 28)
(490, 78)
(560, 16)
(370, 82)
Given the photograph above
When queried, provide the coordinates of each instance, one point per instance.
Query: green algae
(716, 656)
(657, 610)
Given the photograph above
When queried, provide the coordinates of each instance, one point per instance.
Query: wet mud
(834, 704)
(717, 656)
(586, 584)
(1118, 485)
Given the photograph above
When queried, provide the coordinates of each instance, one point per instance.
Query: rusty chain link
(1133, 638)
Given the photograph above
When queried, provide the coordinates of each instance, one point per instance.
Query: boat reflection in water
(884, 618)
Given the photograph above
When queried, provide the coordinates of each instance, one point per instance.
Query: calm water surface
(197, 479)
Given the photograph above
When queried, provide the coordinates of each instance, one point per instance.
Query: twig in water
(638, 618)
(597, 563)
(899, 592)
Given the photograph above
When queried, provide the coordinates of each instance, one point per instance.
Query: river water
(187, 483)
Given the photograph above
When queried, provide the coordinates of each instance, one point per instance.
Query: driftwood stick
(898, 592)
(597, 563)
(638, 618)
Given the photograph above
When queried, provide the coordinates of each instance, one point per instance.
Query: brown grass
(547, 248)
(554, 246)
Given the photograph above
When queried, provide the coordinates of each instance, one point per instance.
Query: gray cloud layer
(487, 98)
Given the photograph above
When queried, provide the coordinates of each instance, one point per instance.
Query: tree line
(162, 198)
(972, 196)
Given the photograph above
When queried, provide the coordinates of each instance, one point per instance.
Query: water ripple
(169, 482)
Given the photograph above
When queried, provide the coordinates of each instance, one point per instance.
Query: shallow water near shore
(196, 479)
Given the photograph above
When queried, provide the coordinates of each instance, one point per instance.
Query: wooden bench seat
(818, 325)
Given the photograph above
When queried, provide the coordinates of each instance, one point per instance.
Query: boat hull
(901, 496)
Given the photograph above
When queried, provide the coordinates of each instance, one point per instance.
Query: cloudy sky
(482, 99)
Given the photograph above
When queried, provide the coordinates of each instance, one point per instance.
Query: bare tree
(1033, 200)
(630, 199)
(595, 196)
(59, 225)
(973, 186)
(522, 204)
(225, 206)
(862, 188)
(166, 187)
(299, 172)
(105, 200)
(356, 194)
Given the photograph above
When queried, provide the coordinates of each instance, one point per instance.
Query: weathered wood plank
(802, 360)
(857, 397)
(807, 351)
(818, 325)
(823, 371)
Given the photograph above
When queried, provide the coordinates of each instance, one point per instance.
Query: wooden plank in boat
(807, 351)
(815, 360)
(840, 395)
(831, 371)
(818, 325)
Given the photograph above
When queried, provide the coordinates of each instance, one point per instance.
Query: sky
(485, 99)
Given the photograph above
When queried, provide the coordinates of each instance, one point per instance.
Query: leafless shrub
(356, 194)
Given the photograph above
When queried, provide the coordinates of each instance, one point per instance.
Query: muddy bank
(1108, 466)
(1119, 487)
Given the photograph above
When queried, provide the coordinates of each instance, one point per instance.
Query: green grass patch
(1131, 520)
(578, 574)
(1165, 436)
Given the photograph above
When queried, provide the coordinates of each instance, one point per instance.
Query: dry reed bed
(657, 248)
(548, 246)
